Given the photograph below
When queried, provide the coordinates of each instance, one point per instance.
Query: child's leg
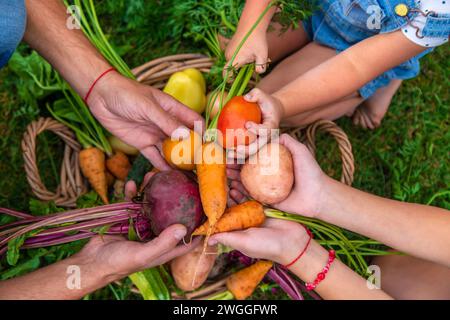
(310, 56)
(406, 277)
(283, 44)
(372, 111)
(332, 111)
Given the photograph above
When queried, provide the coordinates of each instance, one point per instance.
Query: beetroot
(171, 197)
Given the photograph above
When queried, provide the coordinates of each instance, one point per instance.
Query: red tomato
(232, 120)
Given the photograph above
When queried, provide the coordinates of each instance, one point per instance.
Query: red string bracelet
(321, 275)
(95, 82)
(303, 251)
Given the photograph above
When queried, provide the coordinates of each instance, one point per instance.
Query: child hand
(272, 113)
(255, 49)
(309, 180)
(277, 240)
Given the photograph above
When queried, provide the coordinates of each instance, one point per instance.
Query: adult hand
(115, 257)
(140, 115)
(309, 182)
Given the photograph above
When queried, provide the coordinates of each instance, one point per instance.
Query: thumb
(166, 241)
(261, 63)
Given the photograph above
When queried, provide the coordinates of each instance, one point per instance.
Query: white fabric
(438, 6)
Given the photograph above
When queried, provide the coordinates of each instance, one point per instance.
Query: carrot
(92, 163)
(119, 165)
(212, 181)
(242, 283)
(242, 216)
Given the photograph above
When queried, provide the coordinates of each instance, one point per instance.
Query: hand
(309, 182)
(115, 257)
(272, 113)
(140, 115)
(277, 240)
(255, 49)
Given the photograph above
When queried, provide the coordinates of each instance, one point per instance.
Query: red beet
(171, 197)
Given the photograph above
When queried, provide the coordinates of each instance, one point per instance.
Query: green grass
(407, 158)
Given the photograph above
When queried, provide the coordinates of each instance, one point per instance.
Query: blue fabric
(339, 24)
(12, 27)
(437, 26)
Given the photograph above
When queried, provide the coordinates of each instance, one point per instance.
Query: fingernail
(212, 242)
(179, 234)
(247, 97)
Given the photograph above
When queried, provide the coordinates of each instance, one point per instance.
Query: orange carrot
(92, 163)
(242, 216)
(212, 181)
(119, 165)
(242, 283)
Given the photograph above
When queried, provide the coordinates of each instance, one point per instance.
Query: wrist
(103, 87)
(280, 106)
(311, 262)
(331, 198)
(94, 274)
(294, 245)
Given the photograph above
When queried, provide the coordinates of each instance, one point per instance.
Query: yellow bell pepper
(188, 87)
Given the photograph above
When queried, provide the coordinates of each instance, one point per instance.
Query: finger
(154, 156)
(254, 95)
(237, 196)
(179, 250)
(165, 242)
(233, 174)
(230, 70)
(161, 114)
(147, 178)
(235, 240)
(261, 63)
(130, 190)
(230, 200)
(237, 185)
(234, 166)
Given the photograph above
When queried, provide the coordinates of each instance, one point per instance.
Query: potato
(183, 268)
(268, 176)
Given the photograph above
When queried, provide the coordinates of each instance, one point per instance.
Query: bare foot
(370, 113)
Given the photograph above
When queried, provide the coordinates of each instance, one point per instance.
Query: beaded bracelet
(95, 82)
(321, 275)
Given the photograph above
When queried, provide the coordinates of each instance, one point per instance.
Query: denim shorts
(339, 24)
(12, 27)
